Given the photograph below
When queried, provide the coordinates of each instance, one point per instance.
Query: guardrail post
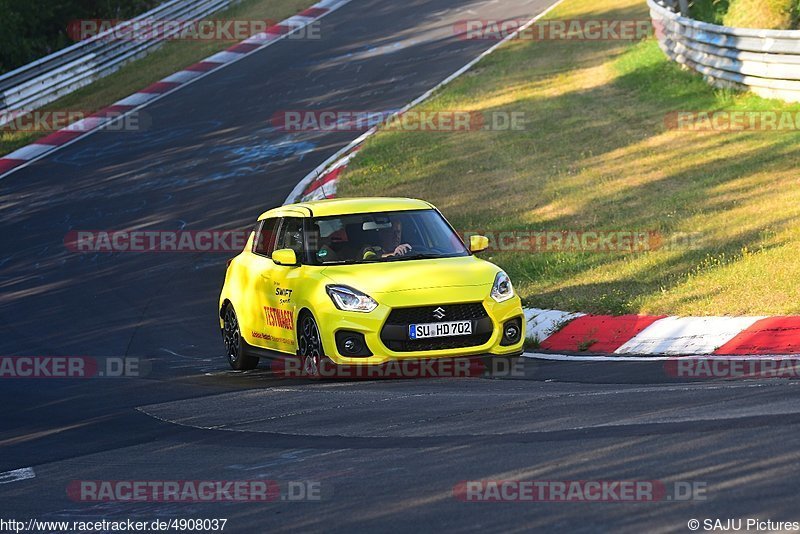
(684, 7)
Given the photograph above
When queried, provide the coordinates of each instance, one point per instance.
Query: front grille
(424, 314)
(395, 333)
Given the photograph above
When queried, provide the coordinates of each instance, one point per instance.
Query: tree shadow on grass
(598, 159)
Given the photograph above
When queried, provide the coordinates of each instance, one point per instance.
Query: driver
(392, 241)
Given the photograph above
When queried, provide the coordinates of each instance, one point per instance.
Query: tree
(31, 29)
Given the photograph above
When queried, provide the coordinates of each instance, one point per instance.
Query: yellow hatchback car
(364, 282)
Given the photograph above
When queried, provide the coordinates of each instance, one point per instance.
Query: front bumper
(371, 325)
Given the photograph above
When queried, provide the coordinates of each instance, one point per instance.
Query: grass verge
(596, 154)
(170, 58)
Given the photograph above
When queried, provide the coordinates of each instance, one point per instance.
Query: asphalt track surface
(387, 453)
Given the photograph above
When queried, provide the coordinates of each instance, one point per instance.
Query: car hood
(409, 275)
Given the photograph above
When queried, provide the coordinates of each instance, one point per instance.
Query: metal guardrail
(767, 62)
(41, 82)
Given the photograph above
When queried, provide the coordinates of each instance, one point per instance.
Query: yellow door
(280, 283)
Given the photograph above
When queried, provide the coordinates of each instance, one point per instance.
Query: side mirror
(285, 256)
(478, 243)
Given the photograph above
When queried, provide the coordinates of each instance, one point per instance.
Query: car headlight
(502, 290)
(349, 299)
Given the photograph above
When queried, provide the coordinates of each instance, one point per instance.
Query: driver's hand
(402, 250)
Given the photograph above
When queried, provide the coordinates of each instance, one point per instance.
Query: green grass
(596, 155)
(764, 14)
(170, 58)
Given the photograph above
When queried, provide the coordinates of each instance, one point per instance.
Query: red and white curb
(117, 111)
(324, 185)
(554, 331)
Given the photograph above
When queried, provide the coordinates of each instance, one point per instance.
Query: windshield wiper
(418, 256)
(339, 262)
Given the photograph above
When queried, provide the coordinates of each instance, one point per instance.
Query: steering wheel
(371, 253)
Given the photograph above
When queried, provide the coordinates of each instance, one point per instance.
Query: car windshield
(383, 237)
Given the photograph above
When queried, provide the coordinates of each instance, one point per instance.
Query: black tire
(234, 344)
(309, 346)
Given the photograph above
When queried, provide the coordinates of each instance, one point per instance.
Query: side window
(264, 242)
(291, 236)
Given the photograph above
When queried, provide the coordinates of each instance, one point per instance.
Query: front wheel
(234, 344)
(310, 346)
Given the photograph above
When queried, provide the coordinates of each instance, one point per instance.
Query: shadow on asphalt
(514, 369)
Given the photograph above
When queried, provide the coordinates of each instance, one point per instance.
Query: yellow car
(364, 282)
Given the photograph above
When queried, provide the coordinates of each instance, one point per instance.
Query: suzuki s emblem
(439, 313)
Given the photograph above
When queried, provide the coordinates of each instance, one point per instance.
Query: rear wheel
(234, 344)
(310, 346)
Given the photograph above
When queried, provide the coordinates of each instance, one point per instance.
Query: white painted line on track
(310, 177)
(570, 358)
(26, 473)
(611, 359)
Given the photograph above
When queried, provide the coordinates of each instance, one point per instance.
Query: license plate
(426, 330)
